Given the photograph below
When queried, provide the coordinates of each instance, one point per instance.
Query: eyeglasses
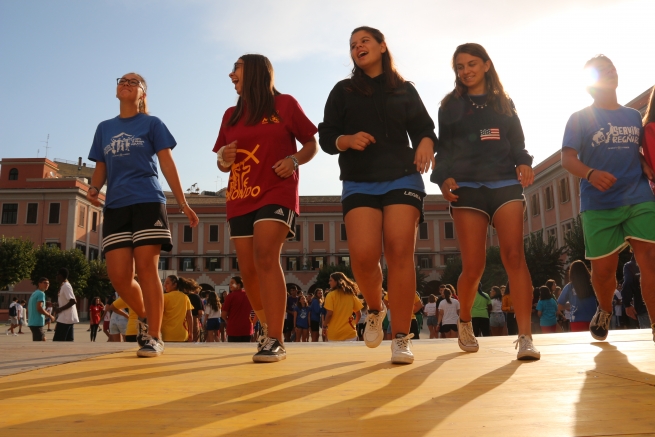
(236, 66)
(129, 82)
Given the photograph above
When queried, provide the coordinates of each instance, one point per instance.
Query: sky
(60, 60)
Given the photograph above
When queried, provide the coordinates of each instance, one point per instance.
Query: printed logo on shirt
(120, 144)
(279, 212)
(158, 223)
(239, 187)
(490, 134)
(615, 135)
(272, 119)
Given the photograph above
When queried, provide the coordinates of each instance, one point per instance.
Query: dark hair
(344, 284)
(545, 293)
(238, 280)
(480, 292)
(581, 279)
(446, 294)
(173, 279)
(63, 272)
(392, 79)
(432, 298)
(257, 99)
(498, 294)
(187, 285)
(497, 98)
(550, 283)
(306, 303)
(43, 279)
(649, 116)
(212, 300)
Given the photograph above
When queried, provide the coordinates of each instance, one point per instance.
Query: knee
(266, 259)
(513, 259)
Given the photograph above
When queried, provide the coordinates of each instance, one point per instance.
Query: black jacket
(388, 117)
(462, 154)
(631, 291)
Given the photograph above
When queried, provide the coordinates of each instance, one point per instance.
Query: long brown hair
(581, 279)
(649, 116)
(212, 301)
(257, 99)
(497, 98)
(187, 285)
(344, 284)
(392, 79)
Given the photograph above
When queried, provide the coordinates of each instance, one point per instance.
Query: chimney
(79, 161)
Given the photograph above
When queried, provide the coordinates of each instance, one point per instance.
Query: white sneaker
(465, 337)
(373, 334)
(153, 347)
(527, 351)
(400, 353)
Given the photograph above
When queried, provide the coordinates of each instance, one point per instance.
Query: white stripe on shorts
(152, 235)
(117, 238)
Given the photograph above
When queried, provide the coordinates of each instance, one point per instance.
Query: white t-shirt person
(450, 315)
(431, 309)
(68, 316)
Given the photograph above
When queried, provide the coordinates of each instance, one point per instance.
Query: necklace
(475, 105)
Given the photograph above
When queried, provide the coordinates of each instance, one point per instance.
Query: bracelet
(591, 170)
(183, 205)
(219, 158)
(295, 161)
(336, 143)
(95, 188)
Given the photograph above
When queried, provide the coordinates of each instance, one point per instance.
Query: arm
(169, 170)
(97, 181)
(648, 149)
(420, 129)
(601, 180)
(70, 303)
(189, 325)
(522, 158)
(358, 315)
(440, 316)
(285, 167)
(119, 311)
(41, 310)
(328, 317)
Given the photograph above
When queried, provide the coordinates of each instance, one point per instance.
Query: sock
(401, 335)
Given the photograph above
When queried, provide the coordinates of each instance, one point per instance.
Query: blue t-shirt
(609, 140)
(413, 181)
(582, 310)
(548, 310)
(34, 317)
(302, 318)
(315, 311)
(128, 147)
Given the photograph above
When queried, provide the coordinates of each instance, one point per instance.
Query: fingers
(370, 138)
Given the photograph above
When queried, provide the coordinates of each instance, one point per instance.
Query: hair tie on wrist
(589, 173)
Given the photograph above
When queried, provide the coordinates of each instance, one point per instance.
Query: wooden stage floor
(579, 387)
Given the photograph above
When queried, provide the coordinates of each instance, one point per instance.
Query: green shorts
(607, 231)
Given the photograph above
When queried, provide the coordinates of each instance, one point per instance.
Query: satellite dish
(52, 175)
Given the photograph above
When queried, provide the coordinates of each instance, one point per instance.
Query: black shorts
(447, 328)
(313, 325)
(393, 197)
(243, 226)
(141, 224)
(487, 200)
(288, 324)
(38, 333)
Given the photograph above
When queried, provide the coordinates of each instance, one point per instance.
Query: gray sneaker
(465, 337)
(373, 334)
(153, 347)
(262, 337)
(142, 335)
(271, 351)
(527, 351)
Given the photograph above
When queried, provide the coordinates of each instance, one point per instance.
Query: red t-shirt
(95, 312)
(253, 182)
(236, 310)
(648, 146)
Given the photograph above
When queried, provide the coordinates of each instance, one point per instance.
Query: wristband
(219, 158)
(183, 205)
(295, 161)
(591, 170)
(336, 143)
(95, 188)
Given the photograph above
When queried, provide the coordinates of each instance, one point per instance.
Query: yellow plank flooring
(579, 387)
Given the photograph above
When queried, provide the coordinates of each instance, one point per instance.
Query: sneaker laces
(403, 342)
(372, 320)
(466, 333)
(524, 342)
(268, 343)
(604, 319)
(263, 335)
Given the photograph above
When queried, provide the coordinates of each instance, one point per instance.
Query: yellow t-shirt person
(416, 299)
(173, 326)
(342, 306)
(132, 325)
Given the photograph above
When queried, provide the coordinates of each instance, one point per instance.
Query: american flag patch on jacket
(489, 134)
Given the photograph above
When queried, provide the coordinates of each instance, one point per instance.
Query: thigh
(471, 227)
(399, 224)
(116, 229)
(508, 222)
(268, 237)
(150, 226)
(120, 265)
(146, 259)
(364, 229)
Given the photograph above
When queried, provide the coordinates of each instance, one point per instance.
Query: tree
(50, 259)
(574, 242)
(18, 260)
(452, 271)
(98, 283)
(420, 279)
(324, 274)
(544, 259)
(494, 271)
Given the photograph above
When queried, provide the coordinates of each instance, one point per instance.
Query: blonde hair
(344, 284)
(143, 102)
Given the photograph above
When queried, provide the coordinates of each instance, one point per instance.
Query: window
(213, 264)
(292, 263)
(81, 216)
(448, 258)
(188, 234)
(9, 213)
(564, 191)
(344, 235)
(94, 221)
(449, 230)
(550, 201)
(213, 233)
(235, 263)
(53, 244)
(81, 247)
(425, 261)
(13, 174)
(551, 233)
(298, 231)
(53, 216)
(343, 260)
(423, 231)
(163, 264)
(566, 229)
(318, 262)
(318, 231)
(188, 264)
(93, 253)
(32, 213)
(534, 204)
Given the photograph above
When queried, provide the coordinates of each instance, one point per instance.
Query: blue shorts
(213, 324)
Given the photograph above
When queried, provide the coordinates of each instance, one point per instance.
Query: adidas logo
(158, 223)
(279, 212)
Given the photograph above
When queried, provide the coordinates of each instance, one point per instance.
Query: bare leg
(603, 278)
(399, 227)
(146, 259)
(120, 268)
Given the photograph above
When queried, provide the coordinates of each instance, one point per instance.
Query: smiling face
(470, 71)
(332, 282)
(236, 76)
(365, 51)
(129, 93)
(602, 74)
(169, 285)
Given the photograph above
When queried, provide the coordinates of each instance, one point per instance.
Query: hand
(631, 312)
(284, 168)
(602, 180)
(92, 196)
(525, 175)
(359, 141)
(446, 189)
(424, 157)
(648, 172)
(228, 155)
(191, 215)
(52, 317)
